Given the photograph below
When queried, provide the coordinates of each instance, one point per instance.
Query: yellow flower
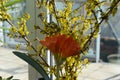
(85, 61)
(18, 46)
(27, 16)
(13, 29)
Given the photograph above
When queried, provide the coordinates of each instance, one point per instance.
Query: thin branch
(97, 26)
(95, 15)
(9, 22)
(26, 39)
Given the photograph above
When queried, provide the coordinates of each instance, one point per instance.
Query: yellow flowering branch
(67, 37)
(97, 25)
(30, 44)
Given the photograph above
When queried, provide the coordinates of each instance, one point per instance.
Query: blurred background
(104, 54)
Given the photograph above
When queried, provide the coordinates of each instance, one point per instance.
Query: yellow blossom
(27, 16)
(18, 46)
(85, 61)
(13, 29)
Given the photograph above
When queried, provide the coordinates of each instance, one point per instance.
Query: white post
(34, 20)
(98, 43)
(1, 34)
(98, 48)
(48, 52)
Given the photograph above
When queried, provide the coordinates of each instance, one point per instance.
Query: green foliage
(10, 3)
(9, 78)
(33, 63)
(83, 27)
(0, 78)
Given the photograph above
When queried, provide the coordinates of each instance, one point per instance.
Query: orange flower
(61, 45)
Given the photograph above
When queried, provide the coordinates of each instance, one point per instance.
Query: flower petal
(50, 43)
(61, 45)
(70, 47)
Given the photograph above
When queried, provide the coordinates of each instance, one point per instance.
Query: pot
(114, 58)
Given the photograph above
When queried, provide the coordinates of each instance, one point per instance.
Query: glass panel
(16, 11)
(110, 39)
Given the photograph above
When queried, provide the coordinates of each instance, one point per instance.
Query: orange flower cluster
(62, 45)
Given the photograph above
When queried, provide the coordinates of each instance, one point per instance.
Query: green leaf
(33, 63)
(10, 3)
(9, 78)
(0, 78)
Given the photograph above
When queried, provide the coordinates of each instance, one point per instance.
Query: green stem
(58, 75)
(57, 61)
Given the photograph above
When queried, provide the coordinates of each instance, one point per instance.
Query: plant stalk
(58, 74)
